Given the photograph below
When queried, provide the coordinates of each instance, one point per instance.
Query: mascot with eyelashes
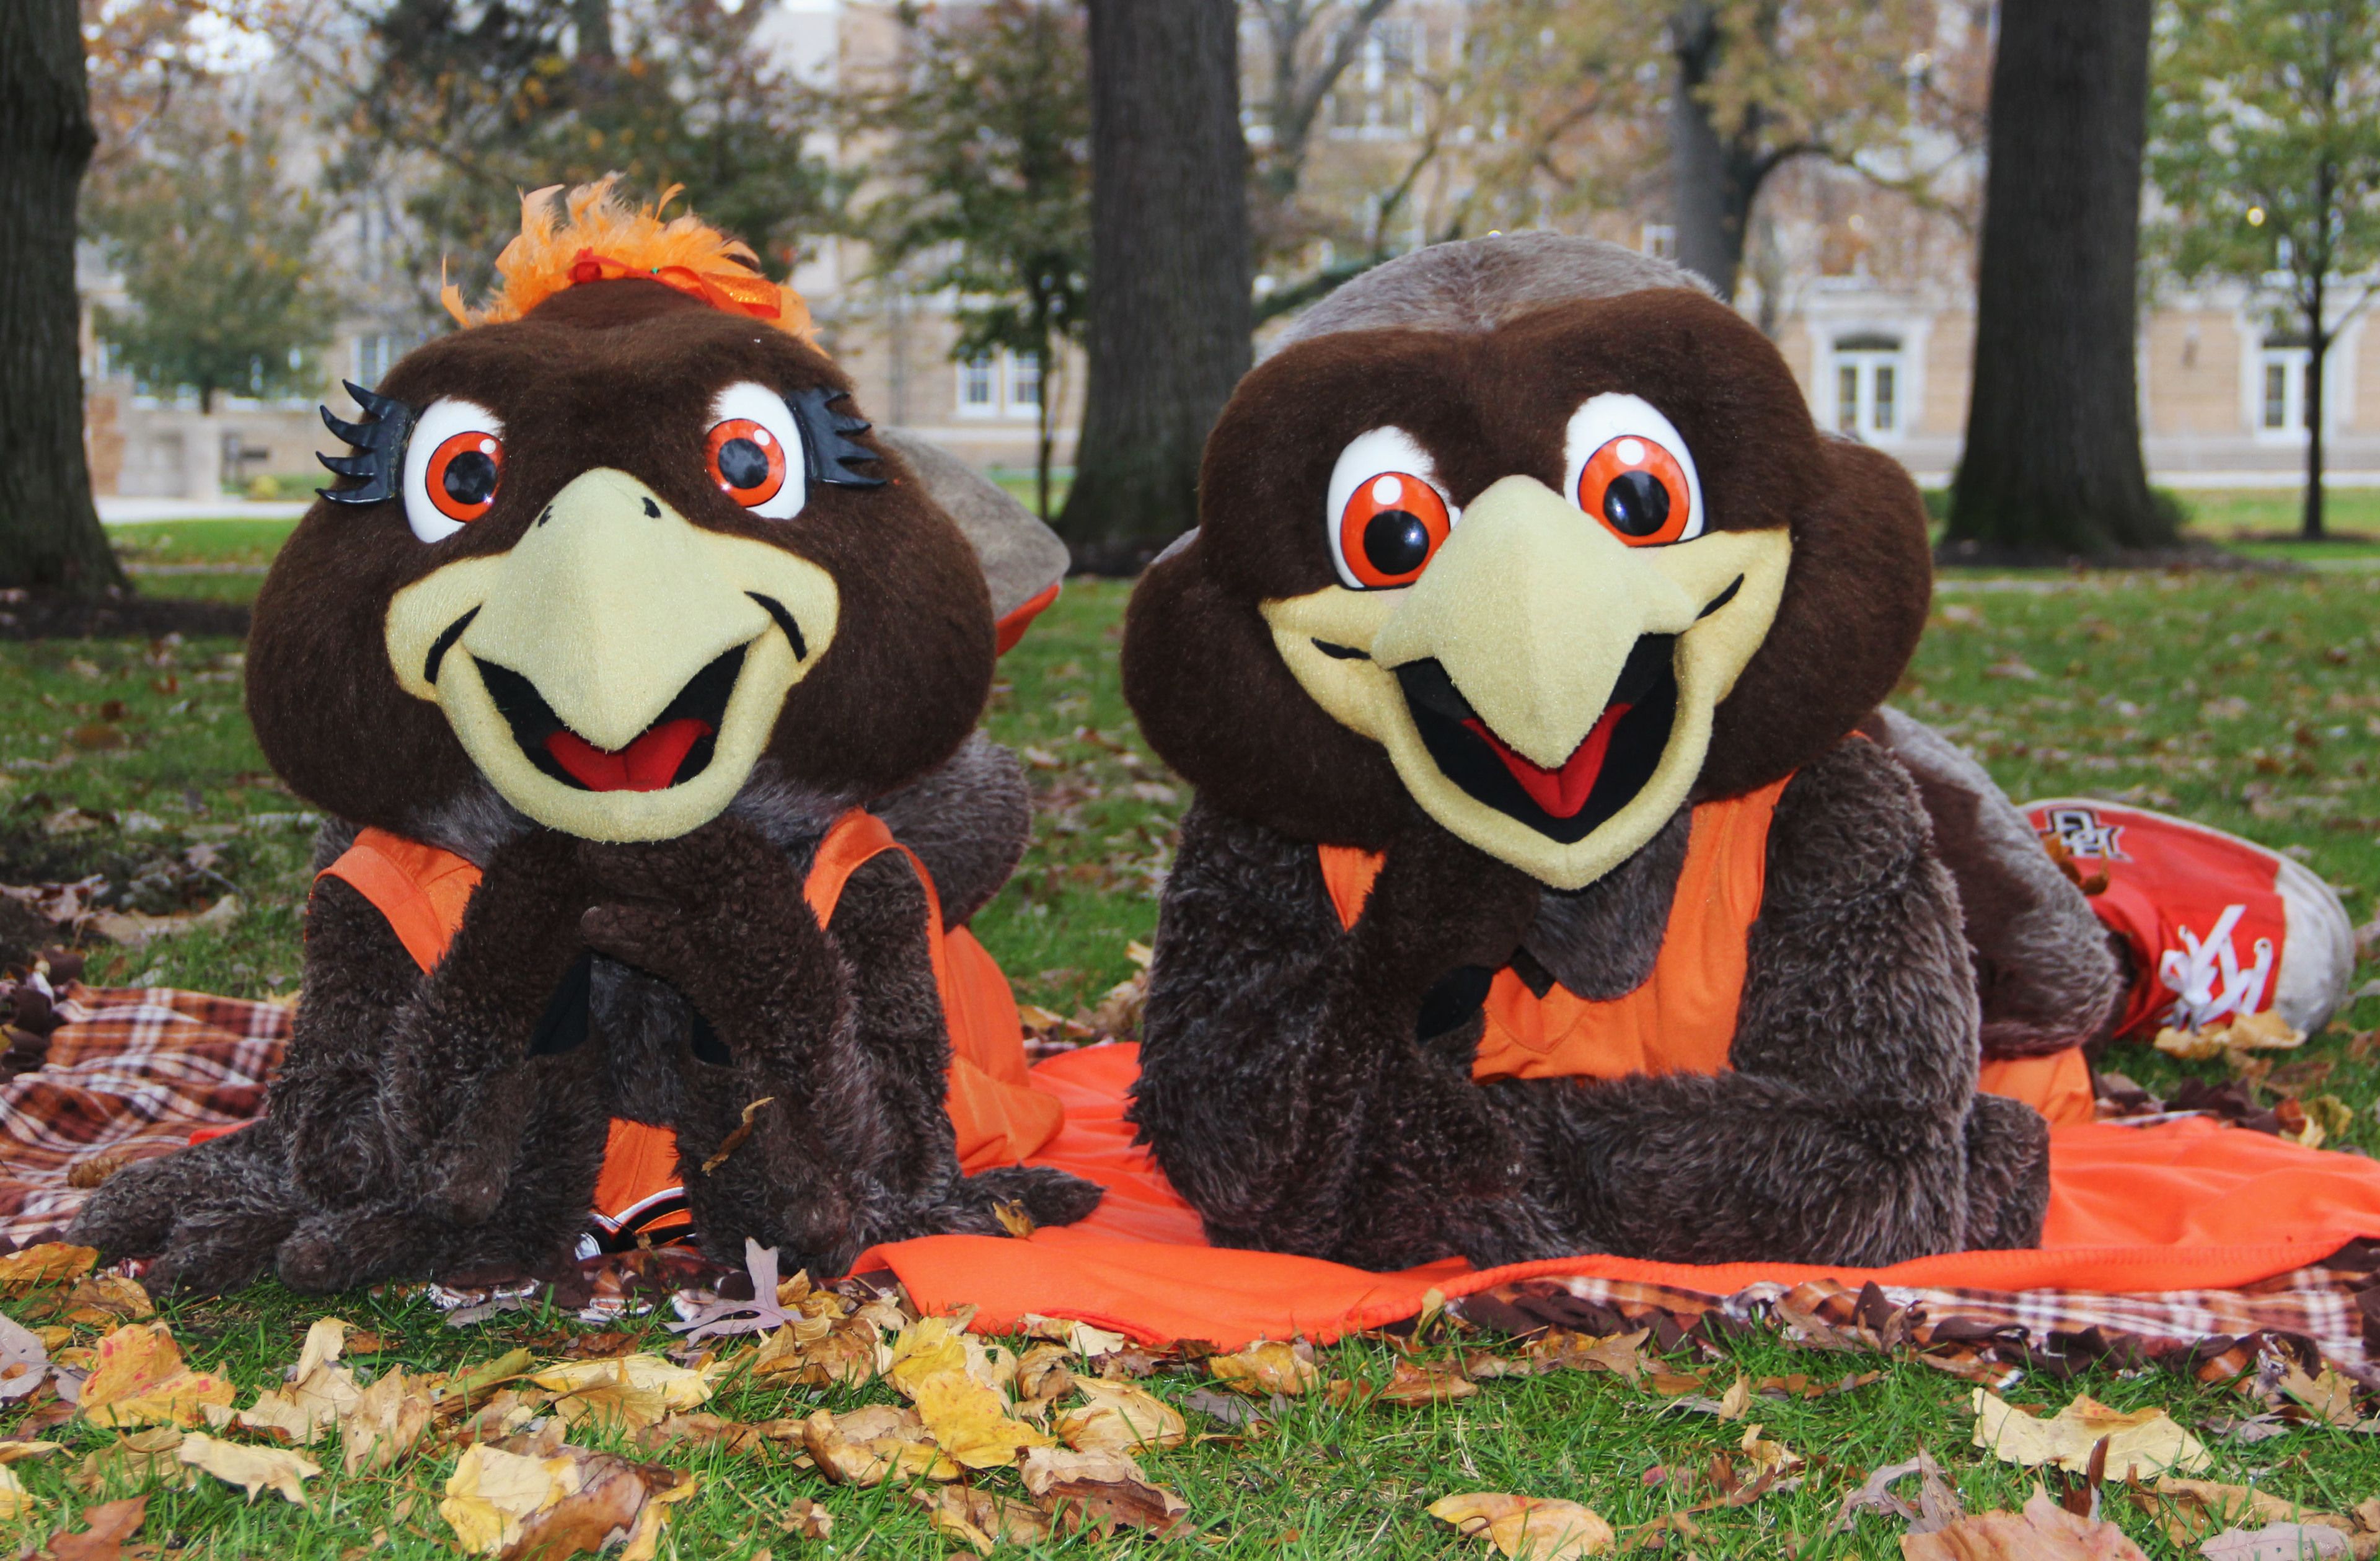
(1555, 884)
(641, 679)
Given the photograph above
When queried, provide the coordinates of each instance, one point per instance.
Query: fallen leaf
(49, 1263)
(1265, 1368)
(869, 1445)
(1080, 1337)
(1526, 1527)
(451, 1395)
(1411, 1385)
(2191, 1509)
(731, 1142)
(820, 1351)
(615, 1502)
(113, 1295)
(2141, 1444)
(318, 1396)
(139, 1379)
(491, 1491)
(1042, 1376)
(17, 1452)
(2278, 1541)
(980, 1519)
(1013, 1219)
(15, 1501)
(111, 1523)
(1875, 1494)
(1102, 1491)
(2043, 1532)
(806, 1519)
(970, 1421)
(1235, 1412)
(143, 1458)
(385, 1423)
(1120, 1417)
(2330, 1396)
(708, 1430)
(1737, 1400)
(24, 1360)
(254, 1469)
(924, 1348)
(631, 1391)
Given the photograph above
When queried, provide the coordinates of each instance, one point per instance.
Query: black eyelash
(380, 443)
(826, 453)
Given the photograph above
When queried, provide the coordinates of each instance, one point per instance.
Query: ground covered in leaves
(128, 780)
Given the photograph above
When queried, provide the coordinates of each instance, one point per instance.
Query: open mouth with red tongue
(675, 749)
(1613, 762)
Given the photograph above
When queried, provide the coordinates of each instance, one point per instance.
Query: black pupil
(743, 464)
(471, 477)
(1396, 542)
(1636, 503)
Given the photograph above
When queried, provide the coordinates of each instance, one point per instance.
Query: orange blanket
(2182, 1205)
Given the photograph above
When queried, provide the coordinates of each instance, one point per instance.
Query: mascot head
(613, 550)
(1533, 534)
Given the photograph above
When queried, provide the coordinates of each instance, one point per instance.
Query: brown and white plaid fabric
(129, 1073)
(2326, 1314)
(132, 1072)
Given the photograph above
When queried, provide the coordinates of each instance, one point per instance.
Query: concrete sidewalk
(113, 511)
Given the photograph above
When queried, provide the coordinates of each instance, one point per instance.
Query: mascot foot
(2008, 1174)
(355, 1247)
(1048, 1197)
(210, 1215)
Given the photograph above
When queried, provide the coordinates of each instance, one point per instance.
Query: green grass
(2251, 702)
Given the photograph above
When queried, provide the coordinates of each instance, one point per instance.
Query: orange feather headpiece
(601, 238)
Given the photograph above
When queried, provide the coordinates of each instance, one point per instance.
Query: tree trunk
(50, 533)
(1170, 314)
(2317, 348)
(2052, 465)
(1706, 205)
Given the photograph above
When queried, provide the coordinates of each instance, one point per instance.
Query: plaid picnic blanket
(128, 1075)
(132, 1072)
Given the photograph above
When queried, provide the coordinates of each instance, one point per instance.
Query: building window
(2282, 407)
(1023, 382)
(1659, 241)
(980, 387)
(376, 353)
(1868, 381)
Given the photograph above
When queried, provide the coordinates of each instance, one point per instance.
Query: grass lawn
(2251, 702)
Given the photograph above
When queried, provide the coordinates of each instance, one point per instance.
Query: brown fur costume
(1310, 1089)
(660, 963)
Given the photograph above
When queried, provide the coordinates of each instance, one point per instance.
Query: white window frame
(1017, 371)
(1861, 361)
(979, 372)
(1003, 377)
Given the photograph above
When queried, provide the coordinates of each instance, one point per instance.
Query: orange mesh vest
(1682, 1018)
(999, 1117)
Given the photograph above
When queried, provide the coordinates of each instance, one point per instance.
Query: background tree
(50, 535)
(988, 164)
(214, 249)
(1169, 315)
(2053, 462)
(1757, 83)
(2266, 151)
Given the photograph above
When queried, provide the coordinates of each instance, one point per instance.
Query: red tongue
(649, 764)
(1563, 792)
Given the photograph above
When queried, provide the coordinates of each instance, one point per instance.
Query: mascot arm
(1847, 1130)
(2046, 967)
(1281, 1084)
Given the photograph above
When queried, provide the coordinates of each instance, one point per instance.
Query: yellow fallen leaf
(1101, 1491)
(136, 1462)
(2331, 1395)
(2190, 1510)
(15, 1500)
(447, 1394)
(1120, 1417)
(138, 1378)
(1264, 1369)
(2141, 1444)
(969, 1422)
(17, 1452)
(1413, 1384)
(2043, 1532)
(820, 1351)
(633, 1390)
(324, 1340)
(869, 1445)
(385, 1422)
(255, 1469)
(927, 1346)
(47, 1262)
(492, 1491)
(1737, 1400)
(1080, 1337)
(318, 1396)
(1527, 1528)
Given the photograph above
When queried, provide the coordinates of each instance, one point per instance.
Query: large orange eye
(1640, 490)
(464, 468)
(1393, 525)
(746, 461)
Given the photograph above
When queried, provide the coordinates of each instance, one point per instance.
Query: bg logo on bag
(2079, 831)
